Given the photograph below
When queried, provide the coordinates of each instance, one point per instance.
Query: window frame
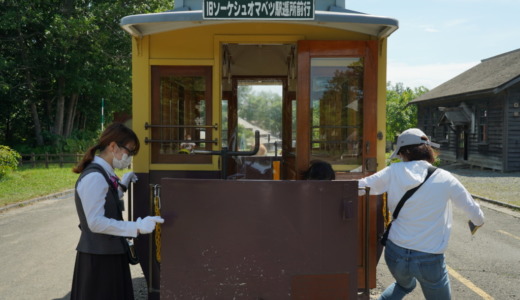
(159, 72)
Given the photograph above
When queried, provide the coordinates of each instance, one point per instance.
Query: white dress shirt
(92, 190)
(425, 220)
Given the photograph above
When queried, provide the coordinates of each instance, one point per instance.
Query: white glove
(147, 225)
(127, 177)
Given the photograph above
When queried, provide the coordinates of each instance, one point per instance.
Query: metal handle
(146, 126)
(225, 153)
(147, 140)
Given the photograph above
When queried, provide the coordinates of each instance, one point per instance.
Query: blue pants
(409, 266)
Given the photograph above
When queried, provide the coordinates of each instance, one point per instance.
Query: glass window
(181, 114)
(337, 112)
(259, 108)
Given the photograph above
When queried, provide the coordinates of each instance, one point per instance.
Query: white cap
(412, 136)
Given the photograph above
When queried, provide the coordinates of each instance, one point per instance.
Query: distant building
(476, 115)
(267, 140)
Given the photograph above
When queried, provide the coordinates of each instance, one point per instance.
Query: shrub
(8, 160)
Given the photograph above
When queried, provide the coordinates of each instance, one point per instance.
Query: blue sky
(439, 39)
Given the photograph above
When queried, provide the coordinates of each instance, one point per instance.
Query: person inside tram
(319, 170)
(188, 146)
(102, 267)
(262, 150)
(420, 232)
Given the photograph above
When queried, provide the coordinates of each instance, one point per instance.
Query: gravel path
(502, 187)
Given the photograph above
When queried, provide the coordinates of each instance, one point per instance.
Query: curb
(31, 201)
(510, 206)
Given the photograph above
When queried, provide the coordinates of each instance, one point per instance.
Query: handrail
(336, 126)
(146, 126)
(225, 153)
(147, 140)
(336, 141)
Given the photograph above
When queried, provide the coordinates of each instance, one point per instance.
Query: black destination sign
(265, 9)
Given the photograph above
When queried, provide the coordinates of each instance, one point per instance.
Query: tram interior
(256, 80)
(336, 106)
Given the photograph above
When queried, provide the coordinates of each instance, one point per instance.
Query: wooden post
(61, 160)
(33, 158)
(46, 160)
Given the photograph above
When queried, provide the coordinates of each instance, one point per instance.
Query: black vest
(99, 243)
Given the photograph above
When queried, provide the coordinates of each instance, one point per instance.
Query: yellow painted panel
(141, 101)
(181, 62)
(381, 104)
(198, 42)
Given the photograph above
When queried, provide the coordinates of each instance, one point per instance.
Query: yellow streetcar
(241, 223)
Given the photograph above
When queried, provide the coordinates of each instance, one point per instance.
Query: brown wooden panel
(249, 239)
(320, 287)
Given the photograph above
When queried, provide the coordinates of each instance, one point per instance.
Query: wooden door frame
(464, 155)
(233, 107)
(306, 51)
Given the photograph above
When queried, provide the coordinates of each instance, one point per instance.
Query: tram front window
(337, 112)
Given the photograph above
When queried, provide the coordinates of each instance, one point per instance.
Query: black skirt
(101, 277)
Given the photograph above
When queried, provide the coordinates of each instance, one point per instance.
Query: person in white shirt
(102, 267)
(419, 236)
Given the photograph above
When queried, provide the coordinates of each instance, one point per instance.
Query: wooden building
(476, 115)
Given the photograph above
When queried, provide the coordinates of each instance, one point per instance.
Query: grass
(28, 183)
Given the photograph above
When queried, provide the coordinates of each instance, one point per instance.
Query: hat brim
(434, 145)
(394, 154)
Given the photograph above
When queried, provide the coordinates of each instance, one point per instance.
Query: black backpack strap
(410, 192)
(405, 197)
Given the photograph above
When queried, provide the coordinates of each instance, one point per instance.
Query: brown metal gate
(259, 239)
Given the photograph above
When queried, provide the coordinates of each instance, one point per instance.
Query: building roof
(492, 75)
(335, 17)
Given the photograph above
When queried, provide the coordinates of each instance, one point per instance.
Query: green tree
(262, 109)
(58, 59)
(399, 115)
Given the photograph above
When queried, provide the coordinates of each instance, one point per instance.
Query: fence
(47, 159)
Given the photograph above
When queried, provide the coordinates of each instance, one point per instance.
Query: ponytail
(87, 159)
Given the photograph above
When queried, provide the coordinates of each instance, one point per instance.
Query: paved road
(483, 266)
(37, 253)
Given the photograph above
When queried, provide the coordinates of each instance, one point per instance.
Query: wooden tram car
(240, 225)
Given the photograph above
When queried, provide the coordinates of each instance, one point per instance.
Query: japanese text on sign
(265, 9)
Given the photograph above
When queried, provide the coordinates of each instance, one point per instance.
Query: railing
(47, 159)
(147, 140)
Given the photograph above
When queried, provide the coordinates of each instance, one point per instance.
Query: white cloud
(430, 29)
(428, 75)
(455, 22)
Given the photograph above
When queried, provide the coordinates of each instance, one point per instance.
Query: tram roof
(336, 17)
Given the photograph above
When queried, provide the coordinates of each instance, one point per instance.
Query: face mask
(122, 163)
